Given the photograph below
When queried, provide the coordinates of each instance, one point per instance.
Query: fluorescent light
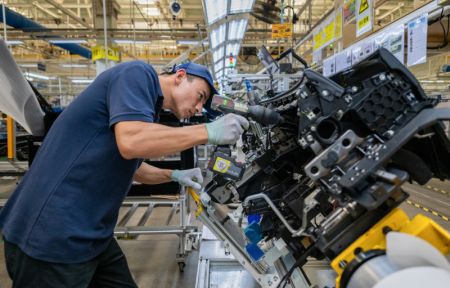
(78, 77)
(144, 2)
(74, 65)
(218, 54)
(37, 76)
(14, 42)
(241, 6)
(215, 9)
(82, 81)
(217, 36)
(236, 29)
(30, 65)
(152, 11)
(130, 41)
(67, 41)
(189, 42)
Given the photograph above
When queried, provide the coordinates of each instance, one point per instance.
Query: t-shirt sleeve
(132, 95)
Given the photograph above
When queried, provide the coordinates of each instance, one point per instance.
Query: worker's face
(189, 95)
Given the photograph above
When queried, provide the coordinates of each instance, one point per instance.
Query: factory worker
(58, 225)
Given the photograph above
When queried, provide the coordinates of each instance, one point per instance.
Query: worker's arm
(148, 174)
(137, 139)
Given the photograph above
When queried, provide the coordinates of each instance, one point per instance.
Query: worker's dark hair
(190, 77)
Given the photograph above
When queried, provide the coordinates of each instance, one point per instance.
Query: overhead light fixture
(236, 29)
(241, 6)
(131, 41)
(67, 41)
(217, 36)
(14, 42)
(189, 42)
(28, 65)
(152, 11)
(82, 81)
(144, 2)
(74, 65)
(37, 76)
(215, 10)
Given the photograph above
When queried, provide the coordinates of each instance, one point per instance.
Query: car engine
(330, 164)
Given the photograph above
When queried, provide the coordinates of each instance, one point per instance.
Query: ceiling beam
(69, 13)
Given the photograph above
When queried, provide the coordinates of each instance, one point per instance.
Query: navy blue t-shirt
(66, 207)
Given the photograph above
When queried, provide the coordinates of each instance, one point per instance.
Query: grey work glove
(226, 129)
(191, 177)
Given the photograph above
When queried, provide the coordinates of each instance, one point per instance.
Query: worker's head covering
(199, 71)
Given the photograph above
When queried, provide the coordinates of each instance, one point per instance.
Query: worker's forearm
(154, 140)
(148, 174)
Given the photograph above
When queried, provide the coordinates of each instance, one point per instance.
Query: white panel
(217, 36)
(218, 54)
(236, 29)
(216, 9)
(241, 6)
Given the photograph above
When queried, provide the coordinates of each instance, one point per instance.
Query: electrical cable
(296, 264)
(445, 33)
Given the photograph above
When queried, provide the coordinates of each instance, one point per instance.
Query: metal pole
(104, 31)
(10, 126)
(4, 22)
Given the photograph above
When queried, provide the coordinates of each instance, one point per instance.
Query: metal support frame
(188, 234)
(69, 13)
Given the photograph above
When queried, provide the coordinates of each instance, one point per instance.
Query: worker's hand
(191, 177)
(227, 129)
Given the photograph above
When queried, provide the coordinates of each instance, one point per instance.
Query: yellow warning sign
(283, 30)
(363, 6)
(318, 39)
(363, 22)
(98, 52)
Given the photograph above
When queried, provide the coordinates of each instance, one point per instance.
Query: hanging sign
(417, 40)
(364, 17)
(329, 30)
(318, 39)
(98, 52)
(283, 30)
(338, 23)
(349, 10)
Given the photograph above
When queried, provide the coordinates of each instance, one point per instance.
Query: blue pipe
(25, 24)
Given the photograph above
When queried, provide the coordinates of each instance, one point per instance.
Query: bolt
(310, 138)
(352, 179)
(382, 77)
(313, 128)
(363, 171)
(354, 89)
(275, 278)
(342, 264)
(325, 93)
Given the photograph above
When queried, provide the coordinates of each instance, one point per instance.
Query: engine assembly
(327, 173)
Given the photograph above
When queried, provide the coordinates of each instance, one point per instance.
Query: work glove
(227, 129)
(191, 177)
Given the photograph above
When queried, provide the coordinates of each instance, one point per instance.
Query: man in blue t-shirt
(58, 225)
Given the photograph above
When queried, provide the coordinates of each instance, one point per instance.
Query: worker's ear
(179, 76)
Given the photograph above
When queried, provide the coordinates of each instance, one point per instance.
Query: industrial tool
(258, 113)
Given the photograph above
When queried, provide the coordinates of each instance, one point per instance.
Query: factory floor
(151, 258)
